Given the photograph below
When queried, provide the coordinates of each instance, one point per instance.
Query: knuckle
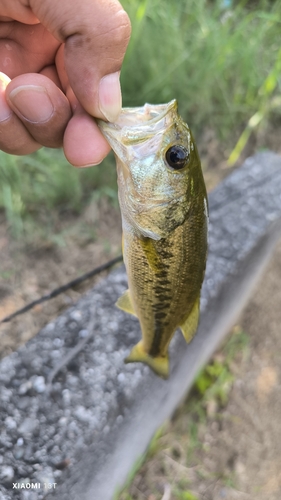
(25, 144)
(112, 33)
(120, 31)
(108, 31)
(111, 38)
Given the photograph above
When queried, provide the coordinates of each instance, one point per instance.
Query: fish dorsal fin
(151, 253)
(189, 326)
(125, 303)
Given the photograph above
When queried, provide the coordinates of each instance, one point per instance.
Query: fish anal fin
(150, 253)
(125, 303)
(190, 325)
(159, 364)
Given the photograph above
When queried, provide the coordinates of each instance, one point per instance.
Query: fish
(164, 210)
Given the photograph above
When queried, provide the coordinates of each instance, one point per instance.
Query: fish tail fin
(125, 303)
(159, 364)
(190, 324)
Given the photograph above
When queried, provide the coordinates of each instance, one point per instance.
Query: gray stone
(39, 384)
(28, 426)
(83, 333)
(76, 315)
(6, 495)
(28, 495)
(18, 452)
(45, 476)
(25, 387)
(10, 423)
(6, 474)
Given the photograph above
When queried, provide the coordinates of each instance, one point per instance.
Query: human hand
(60, 64)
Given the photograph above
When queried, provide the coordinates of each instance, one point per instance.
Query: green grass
(35, 187)
(214, 381)
(186, 495)
(222, 64)
(213, 60)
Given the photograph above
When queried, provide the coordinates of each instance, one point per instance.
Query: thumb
(96, 34)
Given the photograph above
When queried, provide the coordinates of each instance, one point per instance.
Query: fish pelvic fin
(190, 324)
(159, 364)
(125, 303)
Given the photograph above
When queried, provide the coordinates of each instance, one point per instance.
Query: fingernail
(110, 99)
(32, 102)
(5, 111)
(88, 165)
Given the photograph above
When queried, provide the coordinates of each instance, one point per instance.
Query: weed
(229, 480)
(194, 442)
(7, 274)
(214, 60)
(268, 102)
(126, 496)
(186, 495)
(35, 187)
(215, 380)
(152, 449)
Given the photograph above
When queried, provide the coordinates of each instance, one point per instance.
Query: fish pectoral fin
(151, 254)
(125, 303)
(190, 325)
(159, 364)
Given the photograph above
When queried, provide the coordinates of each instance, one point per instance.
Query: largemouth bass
(164, 211)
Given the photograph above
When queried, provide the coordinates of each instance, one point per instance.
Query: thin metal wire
(63, 288)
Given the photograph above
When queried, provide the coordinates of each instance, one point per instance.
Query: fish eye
(177, 157)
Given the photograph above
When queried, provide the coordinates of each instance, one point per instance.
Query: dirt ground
(239, 456)
(28, 273)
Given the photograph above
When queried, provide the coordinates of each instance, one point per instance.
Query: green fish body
(164, 211)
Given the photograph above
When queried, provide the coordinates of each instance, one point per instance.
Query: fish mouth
(147, 114)
(135, 125)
